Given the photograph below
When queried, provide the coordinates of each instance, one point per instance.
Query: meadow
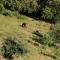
(11, 27)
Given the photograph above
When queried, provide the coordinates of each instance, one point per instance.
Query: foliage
(7, 13)
(1, 8)
(10, 47)
(47, 40)
(47, 13)
(52, 37)
(20, 5)
(46, 9)
(28, 6)
(51, 10)
(56, 33)
(44, 39)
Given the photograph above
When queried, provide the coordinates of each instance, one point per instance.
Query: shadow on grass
(37, 39)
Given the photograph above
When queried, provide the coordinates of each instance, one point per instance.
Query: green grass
(10, 26)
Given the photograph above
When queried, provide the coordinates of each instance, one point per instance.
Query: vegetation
(20, 5)
(36, 26)
(52, 37)
(47, 9)
(56, 33)
(10, 47)
(51, 10)
(10, 26)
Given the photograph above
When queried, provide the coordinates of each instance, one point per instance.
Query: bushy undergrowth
(56, 33)
(47, 9)
(51, 10)
(11, 47)
(20, 5)
(50, 38)
(54, 36)
(1, 8)
(47, 40)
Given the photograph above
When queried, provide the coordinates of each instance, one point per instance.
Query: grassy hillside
(11, 26)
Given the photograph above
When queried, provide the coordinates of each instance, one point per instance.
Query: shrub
(44, 39)
(23, 17)
(20, 5)
(15, 13)
(28, 5)
(9, 4)
(7, 13)
(52, 37)
(47, 40)
(46, 9)
(56, 33)
(1, 8)
(51, 10)
(10, 47)
(47, 13)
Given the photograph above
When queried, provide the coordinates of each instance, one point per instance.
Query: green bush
(46, 9)
(52, 37)
(1, 8)
(10, 47)
(47, 40)
(15, 13)
(51, 10)
(28, 5)
(47, 13)
(44, 39)
(56, 33)
(9, 4)
(7, 13)
(20, 5)
(57, 53)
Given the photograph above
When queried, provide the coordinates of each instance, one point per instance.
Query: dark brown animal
(24, 24)
(38, 33)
